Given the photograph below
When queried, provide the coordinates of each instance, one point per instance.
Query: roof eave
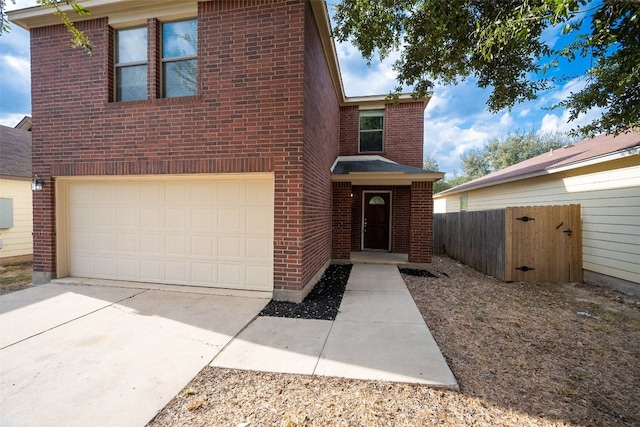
(583, 163)
(386, 178)
(38, 16)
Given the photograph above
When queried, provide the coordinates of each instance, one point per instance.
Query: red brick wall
(400, 216)
(401, 205)
(342, 204)
(247, 117)
(421, 225)
(403, 132)
(320, 149)
(349, 128)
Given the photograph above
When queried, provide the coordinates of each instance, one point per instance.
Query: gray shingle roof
(15, 152)
(576, 153)
(373, 166)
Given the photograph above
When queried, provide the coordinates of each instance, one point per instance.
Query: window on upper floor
(131, 64)
(180, 58)
(371, 131)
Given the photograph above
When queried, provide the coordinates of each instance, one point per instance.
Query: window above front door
(371, 131)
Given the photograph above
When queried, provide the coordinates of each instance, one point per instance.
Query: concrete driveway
(77, 355)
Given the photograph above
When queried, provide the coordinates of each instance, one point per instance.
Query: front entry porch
(378, 257)
(381, 207)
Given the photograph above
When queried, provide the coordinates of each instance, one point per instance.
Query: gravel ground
(524, 354)
(322, 302)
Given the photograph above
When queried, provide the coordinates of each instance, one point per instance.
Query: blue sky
(455, 119)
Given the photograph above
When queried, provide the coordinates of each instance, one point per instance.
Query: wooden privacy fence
(530, 243)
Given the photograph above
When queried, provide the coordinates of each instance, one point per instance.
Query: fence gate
(543, 243)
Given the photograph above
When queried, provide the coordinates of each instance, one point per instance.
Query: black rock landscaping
(323, 301)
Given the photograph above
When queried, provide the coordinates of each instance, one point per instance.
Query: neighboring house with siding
(210, 143)
(601, 174)
(16, 214)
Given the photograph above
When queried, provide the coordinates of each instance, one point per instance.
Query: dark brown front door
(376, 220)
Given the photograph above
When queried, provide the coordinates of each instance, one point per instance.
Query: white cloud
(506, 120)
(11, 120)
(20, 4)
(551, 123)
(360, 79)
(560, 123)
(18, 65)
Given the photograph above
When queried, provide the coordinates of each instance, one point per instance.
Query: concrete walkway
(379, 334)
(80, 355)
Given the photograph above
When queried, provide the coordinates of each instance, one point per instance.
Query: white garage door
(214, 232)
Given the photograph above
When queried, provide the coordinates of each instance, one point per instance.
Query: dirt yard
(15, 277)
(524, 354)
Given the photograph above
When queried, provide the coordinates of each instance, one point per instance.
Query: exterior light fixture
(37, 184)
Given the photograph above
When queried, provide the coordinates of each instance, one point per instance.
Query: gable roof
(597, 150)
(15, 149)
(24, 124)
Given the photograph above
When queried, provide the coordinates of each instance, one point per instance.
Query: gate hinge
(525, 218)
(524, 268)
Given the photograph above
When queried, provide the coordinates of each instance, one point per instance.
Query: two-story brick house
(210, 143)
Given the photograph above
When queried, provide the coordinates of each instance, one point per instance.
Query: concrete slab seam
(112, 304)
(324, 344)
(234, 338)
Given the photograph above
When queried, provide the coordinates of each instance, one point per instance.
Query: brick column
(44, 233)
(421, 223)
(341, 221)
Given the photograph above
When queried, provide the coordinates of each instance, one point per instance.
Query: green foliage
(499, 153)
(4, 23)
(78, 38)
(431, 164)
(500, 44)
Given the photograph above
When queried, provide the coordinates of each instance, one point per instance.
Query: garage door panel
(152, 244)
(177, 193)
(151, 270)
(103, 216)
(105, 242)
(230, 220)
(229, 247)
(258, 248)
(82, 266)
(176, 218)
(203, 246)
(231, 193)
(203, 232)
(176, 272)
(203, 194)
(258, 193)
(201, 218)
(257, 276)
(176, 245)
(230, 275)
(152, 194)
(203, 273)
(257, 221)
(128, 216)
(128, 243)
(128, 268)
